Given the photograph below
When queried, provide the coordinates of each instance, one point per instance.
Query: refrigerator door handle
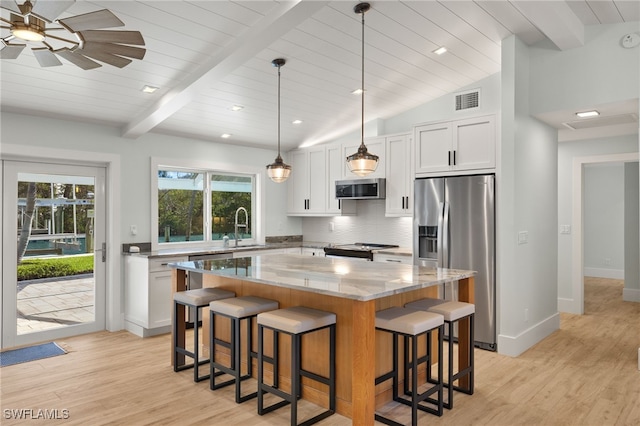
(439, 246)
(445, 236)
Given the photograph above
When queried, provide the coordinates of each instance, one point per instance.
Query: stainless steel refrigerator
(454, 227)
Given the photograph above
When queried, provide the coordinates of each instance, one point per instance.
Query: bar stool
(236, 309)
(196, 299)
(453, 311)
(410, 324)
(296, 322)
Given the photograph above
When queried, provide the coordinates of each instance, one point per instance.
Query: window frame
(257, 200)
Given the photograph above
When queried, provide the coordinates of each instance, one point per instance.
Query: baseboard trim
(616, 274)
(631, 295)
(514, 346)
(567, 306)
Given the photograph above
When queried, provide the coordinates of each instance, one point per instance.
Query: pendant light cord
(362, 88)
(279, 111)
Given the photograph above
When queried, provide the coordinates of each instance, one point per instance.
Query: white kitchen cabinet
(392, 258)
(399, 191)
(148, 300)
(459, 145)
(375, 145)
(335, 165)
(308, 181)
(311, 190)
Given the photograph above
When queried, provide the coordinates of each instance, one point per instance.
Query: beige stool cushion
(241, 307)
(453, 311)
(407, 321)
(424, 304)
(201, 296)
(297, 319)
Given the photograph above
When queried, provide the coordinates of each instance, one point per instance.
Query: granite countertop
(341, 277)
(397, 251)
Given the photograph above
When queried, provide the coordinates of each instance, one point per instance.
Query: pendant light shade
(278, 171)
(362, 162)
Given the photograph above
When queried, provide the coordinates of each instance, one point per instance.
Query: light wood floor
(583, 374)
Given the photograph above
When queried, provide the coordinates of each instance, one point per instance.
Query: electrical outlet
(565, 229)
(331, 226)
(526, 314)
(133, 229)
(607, 261)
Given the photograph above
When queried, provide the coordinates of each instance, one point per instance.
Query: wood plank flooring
(584, 374)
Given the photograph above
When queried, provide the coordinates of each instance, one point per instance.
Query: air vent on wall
(602, 121)
(468, 100)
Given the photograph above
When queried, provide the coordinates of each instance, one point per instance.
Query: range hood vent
(611, 120)
(467, 100)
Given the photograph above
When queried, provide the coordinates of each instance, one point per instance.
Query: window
(195, 206)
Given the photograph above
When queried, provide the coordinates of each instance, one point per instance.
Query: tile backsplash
(369, 226)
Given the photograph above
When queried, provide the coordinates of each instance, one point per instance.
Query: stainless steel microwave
(361, 189)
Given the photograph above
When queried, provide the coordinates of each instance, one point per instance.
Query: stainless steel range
(362, 251)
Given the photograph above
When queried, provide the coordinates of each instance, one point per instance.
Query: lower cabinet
(148, 302)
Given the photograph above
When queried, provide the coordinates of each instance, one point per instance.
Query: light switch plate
(523, 237)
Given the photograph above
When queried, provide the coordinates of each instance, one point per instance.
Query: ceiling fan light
(27, 34)
(362, 162)
(278, 171)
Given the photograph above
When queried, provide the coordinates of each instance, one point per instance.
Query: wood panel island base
(354, 291)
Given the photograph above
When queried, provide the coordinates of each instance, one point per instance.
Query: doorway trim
(114, 311)
(577, 203)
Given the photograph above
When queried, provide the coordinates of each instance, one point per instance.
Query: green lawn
(31, 269)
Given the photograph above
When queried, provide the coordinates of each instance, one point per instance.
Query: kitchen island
(354, 290)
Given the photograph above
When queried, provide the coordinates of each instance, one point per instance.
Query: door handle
(445, 236)
(454, 157)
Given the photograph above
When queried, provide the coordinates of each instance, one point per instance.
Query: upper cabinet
(459, 145)
(307, 195)
(375, 145)
(311, 186)
(399, 198)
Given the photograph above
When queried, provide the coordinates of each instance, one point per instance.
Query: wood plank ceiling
(207, 56)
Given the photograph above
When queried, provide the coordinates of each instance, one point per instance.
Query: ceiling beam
(555, 20)
(285, 17)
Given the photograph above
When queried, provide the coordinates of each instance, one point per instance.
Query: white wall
(631, 291)
(135, 196)
(604, 220)
(527, 197)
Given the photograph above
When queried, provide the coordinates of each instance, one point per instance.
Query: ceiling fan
(29, 22)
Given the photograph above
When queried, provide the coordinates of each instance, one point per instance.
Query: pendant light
(362, 162)
(278, 171)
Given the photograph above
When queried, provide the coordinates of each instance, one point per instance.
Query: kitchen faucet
(245, 225)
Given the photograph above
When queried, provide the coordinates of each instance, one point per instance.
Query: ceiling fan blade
(107, 58)
(114, 49)
(90, 21)
(77, 59)
(46, 58)
(11, 51)
(10, 5)
(49, 10)
(106, 36)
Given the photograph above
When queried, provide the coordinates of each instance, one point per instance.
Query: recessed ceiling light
(237, 108)
(225, 135)
(588, 114)
(440, 50)
(297, 122)
(357, 92)
(149, 89)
